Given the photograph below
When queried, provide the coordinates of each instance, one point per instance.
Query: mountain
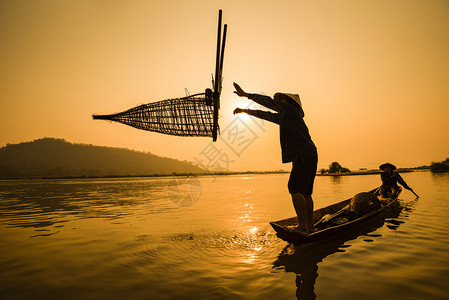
(49, 157)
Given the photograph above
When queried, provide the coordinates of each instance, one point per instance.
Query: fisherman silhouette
(390, 180)
(297, 147)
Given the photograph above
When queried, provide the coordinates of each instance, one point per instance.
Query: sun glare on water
(253, 230)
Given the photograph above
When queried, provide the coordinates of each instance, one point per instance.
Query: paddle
(411, 190)
(328, 217)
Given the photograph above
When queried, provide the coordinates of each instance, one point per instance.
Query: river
(209, 238)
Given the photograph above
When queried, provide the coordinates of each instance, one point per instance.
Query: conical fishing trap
(195, 115)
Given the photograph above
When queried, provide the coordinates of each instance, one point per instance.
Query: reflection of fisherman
(297, 147)
(390, 180)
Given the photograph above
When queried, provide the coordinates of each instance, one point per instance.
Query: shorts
(303, 173)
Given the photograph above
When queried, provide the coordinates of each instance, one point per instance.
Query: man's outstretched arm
(266, 115)
(266, 101)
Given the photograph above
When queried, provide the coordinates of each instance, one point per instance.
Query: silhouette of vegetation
(49, 157)
(335, 167)
(440, 166)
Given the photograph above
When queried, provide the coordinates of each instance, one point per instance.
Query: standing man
(297, 147)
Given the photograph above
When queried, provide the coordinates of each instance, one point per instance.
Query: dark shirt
(392, 179)
(294, 134)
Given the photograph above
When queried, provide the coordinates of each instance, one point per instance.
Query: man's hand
(238, 110)
(239, 91)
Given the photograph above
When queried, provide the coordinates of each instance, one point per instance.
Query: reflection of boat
(303, 260)
(322, 216)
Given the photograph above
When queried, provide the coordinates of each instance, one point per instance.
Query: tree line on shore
(56, 158)
(440, 166)
(334, 168)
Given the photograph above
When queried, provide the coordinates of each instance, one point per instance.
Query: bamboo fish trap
(195, 115)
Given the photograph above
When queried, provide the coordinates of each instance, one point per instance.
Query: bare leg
(299, 202)
(309, 211)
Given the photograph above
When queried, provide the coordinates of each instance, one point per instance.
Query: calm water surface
(209, 238)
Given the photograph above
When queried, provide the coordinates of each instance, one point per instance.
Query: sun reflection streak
(253, 238)
(254, 245)
(253, 230)
(249, 259)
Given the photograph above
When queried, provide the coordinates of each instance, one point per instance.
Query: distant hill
(49, 157)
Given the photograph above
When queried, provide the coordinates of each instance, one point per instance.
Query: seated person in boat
(390, 180)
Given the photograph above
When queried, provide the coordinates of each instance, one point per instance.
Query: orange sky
(373, 75)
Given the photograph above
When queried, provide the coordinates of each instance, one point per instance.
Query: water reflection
(336, 179)
(184, 191)
(303, 260)
(222, 247)
(51, 203)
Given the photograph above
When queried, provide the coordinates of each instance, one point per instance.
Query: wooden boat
(325, 230)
